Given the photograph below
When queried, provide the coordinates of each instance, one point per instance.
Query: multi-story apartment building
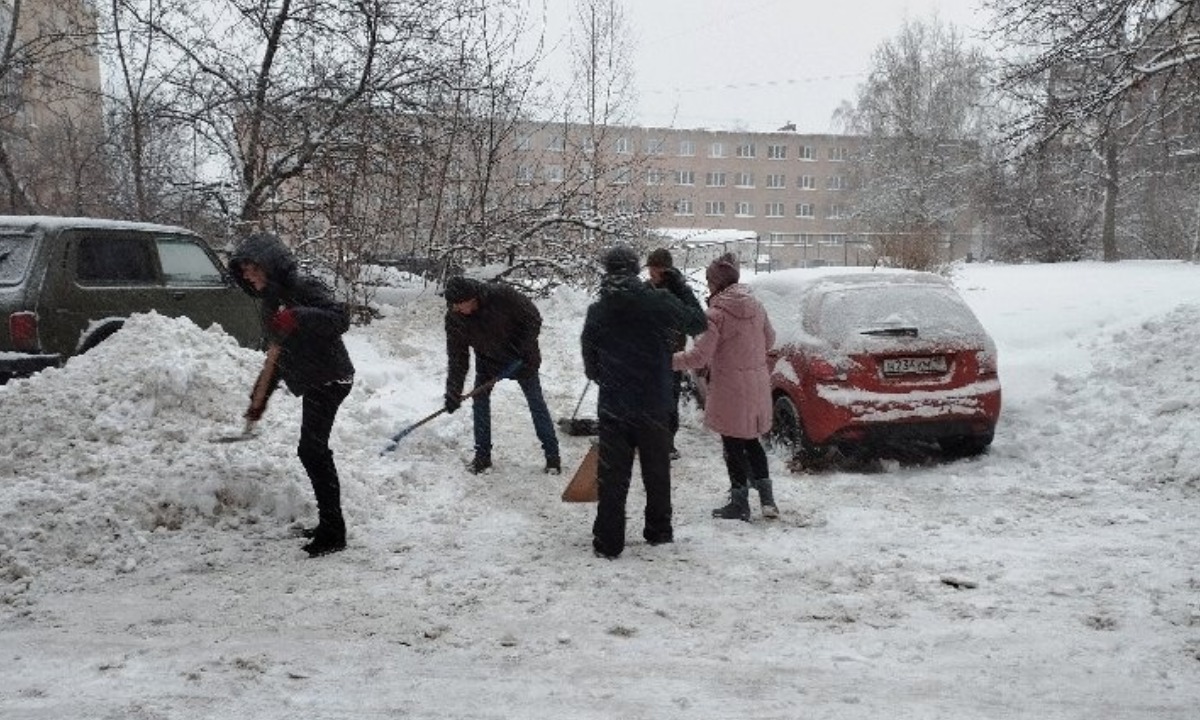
(50, 109)
(778, 199)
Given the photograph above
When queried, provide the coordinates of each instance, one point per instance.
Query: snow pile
(115, 445)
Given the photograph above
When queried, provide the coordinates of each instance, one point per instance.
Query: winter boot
(766, 496)
(324, 546)
(553, 465)
(480, 463)
(738, 507)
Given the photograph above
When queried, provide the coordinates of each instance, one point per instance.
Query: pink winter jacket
(734, 349)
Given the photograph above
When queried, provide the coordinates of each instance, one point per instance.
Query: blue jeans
(543, 425)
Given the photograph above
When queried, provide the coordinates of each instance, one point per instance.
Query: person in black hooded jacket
(502, 325)
(304, 325)
(626, 344)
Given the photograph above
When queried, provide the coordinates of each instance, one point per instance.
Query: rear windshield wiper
(892, 332)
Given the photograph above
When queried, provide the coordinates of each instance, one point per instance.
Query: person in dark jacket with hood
(502, 325)
(304, 325)
(626, 344)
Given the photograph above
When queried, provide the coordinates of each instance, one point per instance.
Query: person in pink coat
(734, 349)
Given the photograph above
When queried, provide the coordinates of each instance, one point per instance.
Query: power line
(758, 84)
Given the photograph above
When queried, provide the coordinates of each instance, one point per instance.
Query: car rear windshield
(933, 312)
(15, 254)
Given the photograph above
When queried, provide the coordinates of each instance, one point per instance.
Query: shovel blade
(247, 432)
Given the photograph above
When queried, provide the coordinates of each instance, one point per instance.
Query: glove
(283, 322)
(453, 402)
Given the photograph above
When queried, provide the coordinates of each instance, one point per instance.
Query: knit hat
(660, 258)
(460, 289)
(620, 260)
(723, 272)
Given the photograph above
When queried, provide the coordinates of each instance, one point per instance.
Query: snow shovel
(584, 485)
(506, 372)
(577, 426)
(263, 385)
(247, 432)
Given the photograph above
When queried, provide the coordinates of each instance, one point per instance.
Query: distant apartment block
(50, 109)
(788, 198)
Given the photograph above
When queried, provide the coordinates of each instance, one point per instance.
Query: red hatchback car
(877, 360)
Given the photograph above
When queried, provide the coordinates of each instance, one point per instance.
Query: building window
(777, 152)
(714, 207)
(683, 206)
(837, 212)
(557, 143)
(554, 173)
(621, 176)
(654, 146)
(804, 210)
(623, 146)
(745, 150)
(524, 142)
(687, 148)
(808, 152)
(806, 182)
(716, 150)
(655, 177)
(835, 182)
(776, 182)
(774, 209)
(838, 154)
(833, 239)
(624, 206)
(714, 179)
(524, 174)
(745, 180)
(744, 209)
(685, 177)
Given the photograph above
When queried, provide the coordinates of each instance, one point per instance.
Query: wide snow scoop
(585, 483)
(246, 433)
(576, 425)
(484, 387)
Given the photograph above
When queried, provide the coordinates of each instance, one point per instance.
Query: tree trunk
(1112, 188)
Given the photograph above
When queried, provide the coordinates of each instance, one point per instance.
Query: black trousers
(745, 460)
(649, 437)
(320, 407)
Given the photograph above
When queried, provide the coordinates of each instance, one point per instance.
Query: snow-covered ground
(148, 573)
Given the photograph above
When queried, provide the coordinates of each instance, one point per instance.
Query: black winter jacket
(313, 354)
(627, 345)
(505, 328)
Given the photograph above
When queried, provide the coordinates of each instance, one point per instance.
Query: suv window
(185, 263)
(15, 253)
(115, 261)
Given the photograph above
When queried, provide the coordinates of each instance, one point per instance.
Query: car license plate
(914, 365)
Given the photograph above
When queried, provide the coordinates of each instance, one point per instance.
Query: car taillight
(986, 360)
(823, 371)
(23, 330)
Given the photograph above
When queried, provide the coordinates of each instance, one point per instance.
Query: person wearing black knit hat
(665, 276)
(502, 326)
(626, 353)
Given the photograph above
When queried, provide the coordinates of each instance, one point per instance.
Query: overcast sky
(756, 64)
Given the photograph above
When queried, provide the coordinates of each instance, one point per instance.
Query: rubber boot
(738, 507)
(766, 496)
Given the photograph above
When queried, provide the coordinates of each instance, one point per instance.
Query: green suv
(66, 284)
